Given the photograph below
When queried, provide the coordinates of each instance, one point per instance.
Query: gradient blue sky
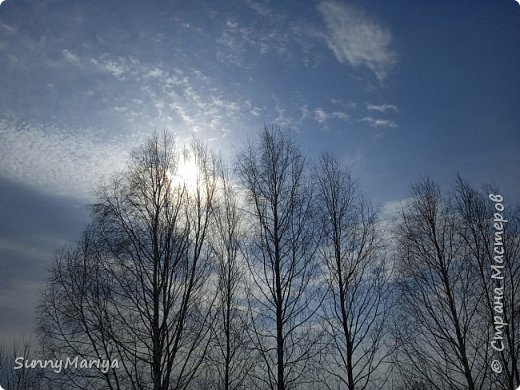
(396, 89)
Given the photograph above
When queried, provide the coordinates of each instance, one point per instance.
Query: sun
(186, 175)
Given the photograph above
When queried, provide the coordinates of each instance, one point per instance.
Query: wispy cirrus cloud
(322, 116)
(382, 123)
(68, 161)
(168, 94)
(117, 67)
(268, 32)
(238, 39)
(70, 56)
(379, 123)
(56, 161)
(382, 107)
(356, 39)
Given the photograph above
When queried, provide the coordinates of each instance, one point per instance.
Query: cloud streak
(357, 40)
(322, 116)
(379, 123)
(57, 162)
(382, 107)
(188, 94)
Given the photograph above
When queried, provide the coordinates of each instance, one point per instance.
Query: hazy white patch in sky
(237, 39)
(389, 214)
(281, 118)
(57, 162)
(117, 67)
(268, 35)
(392, 209)
(261, 8)
(173, 94)
(346, 104)
(252, 109)
(357, 40)
(340, 115)
(70, 57)
(156, 73)
(8, 28)
(286, 115)
(380, 123)
(304, 110)
(382, 107)
(321, 116)
(232, 39)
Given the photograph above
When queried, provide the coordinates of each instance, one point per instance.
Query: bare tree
(476, 229)
(136, 288)
(443, 339)
(72, 316)
(230, 353)
(13, 371)
(358, 280)
(281, 255)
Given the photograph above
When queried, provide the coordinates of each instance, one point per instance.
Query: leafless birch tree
(136, 287)
(281, 255)
(13, 372)
(477, 231)
(443, 339)
(358, 304)
(230, 351)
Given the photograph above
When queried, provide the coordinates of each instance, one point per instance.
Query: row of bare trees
(277, 275)
(445, 321)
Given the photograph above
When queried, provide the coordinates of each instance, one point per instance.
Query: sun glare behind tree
(186, 174)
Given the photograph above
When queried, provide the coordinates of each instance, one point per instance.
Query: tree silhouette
(358, 280)
(281, 255)
(136, 287)
(443, 339)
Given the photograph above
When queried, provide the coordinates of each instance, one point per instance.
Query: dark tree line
(444, 324)
(277, 274)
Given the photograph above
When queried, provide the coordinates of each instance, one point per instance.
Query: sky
(397, 90)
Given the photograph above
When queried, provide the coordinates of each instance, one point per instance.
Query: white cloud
(233, 38)
(70, 57)
(382, 107)
(357, 40)
(261, 9)
(9, 29)
(322, 116)
(380, 123)
(174, 93)
(340, 115)
(389, 215)
(156, 73)
(269, 32)
(118, 67)
(281, 118)
(304, 110)
(57, 162)
(345, 104)
(392, 209)
(239, 41)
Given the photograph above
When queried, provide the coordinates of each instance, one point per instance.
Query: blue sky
(397, 90)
